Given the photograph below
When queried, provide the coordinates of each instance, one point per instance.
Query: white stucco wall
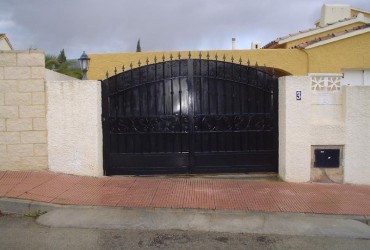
(357, 147)
(294, 129)
(331, 13)
(324, 118)
(74, 127)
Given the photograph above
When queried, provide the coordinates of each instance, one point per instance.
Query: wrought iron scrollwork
(166, 124)
(221, 123)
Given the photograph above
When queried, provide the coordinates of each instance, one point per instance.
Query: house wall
(355, 12)
(329, 116)
(292, 61)
(356, 76)
(75, 128)
(23, 132)
(349, 53)
(4, 45)
(357, 136)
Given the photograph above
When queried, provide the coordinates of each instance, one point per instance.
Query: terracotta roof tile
(276, 41)
(327, 37)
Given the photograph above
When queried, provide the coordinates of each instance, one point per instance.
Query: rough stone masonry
(23, 132)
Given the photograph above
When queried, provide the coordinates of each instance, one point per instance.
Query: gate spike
(107, 75)
(240, 60)
(200, 54)
(224, 57)
(216, 56)
(232, 59)
(207, 55)
(189, 55)
(256, 64)
(179, 55)
(115, 70)
(171, 56)
(123, 68)
(139, 63)
(248, 62)
(147, 61)
(163, 58)
(155, 59)
(131, 65)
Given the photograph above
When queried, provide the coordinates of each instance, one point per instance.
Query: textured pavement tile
(229, 194)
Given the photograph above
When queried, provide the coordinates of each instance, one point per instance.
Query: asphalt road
(20, 232)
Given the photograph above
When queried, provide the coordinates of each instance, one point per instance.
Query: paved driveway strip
(193, 193)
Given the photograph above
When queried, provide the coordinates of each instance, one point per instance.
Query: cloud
(99, 26)
(6, 24)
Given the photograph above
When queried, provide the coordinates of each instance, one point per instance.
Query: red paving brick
(196, 193)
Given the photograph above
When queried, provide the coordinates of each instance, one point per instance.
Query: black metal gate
(190, 116)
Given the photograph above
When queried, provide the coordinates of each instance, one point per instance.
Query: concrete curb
(205, 220)
(23, 207)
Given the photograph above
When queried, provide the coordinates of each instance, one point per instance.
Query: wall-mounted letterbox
(327, 158)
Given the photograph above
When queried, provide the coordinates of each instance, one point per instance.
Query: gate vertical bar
(241, 135)
(148, 113)
(191, 113)
(247, 135)
(116, 110)
(224, 134)
(164, 97)
(172, 103)
(200, 101)
(105, 125)
(218, 135)
(209, 136)
(275, 89)
(180, 103)
(232, 104)
(141, 105)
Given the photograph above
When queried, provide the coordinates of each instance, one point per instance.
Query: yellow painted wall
(292, 61)
(353, 52)
(349, 53)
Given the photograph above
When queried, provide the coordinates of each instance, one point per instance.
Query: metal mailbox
(327, 158)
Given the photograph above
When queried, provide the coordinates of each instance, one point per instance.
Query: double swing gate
(190, 116)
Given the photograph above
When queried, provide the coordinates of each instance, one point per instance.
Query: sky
(114, 26)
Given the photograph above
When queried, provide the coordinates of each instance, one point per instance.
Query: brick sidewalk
(152, 192)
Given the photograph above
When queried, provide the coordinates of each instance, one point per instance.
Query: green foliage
(51, 62)
(138, 46)
(62, 57)
(65, 67)
(35, 214)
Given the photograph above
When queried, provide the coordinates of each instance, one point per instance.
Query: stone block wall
(23, 132)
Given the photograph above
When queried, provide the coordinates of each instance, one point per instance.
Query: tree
(65, 67)
(62, 57)
(138, 46)
(51, 62)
